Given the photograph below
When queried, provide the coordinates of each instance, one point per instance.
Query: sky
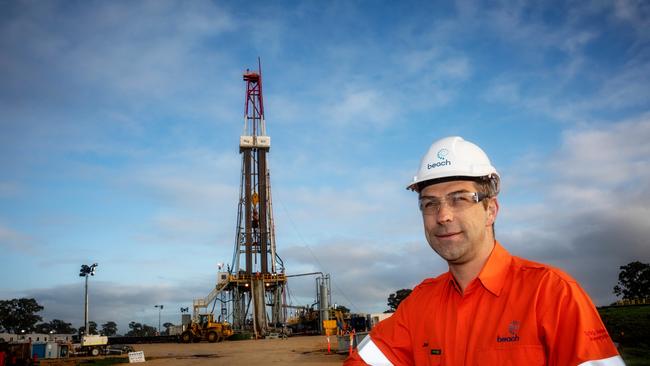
(120, 124)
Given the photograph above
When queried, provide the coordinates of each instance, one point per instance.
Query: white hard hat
(453, 157)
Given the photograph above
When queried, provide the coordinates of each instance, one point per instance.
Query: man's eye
(429, 204)
(460, 198)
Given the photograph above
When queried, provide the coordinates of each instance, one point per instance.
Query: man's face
(456, 235)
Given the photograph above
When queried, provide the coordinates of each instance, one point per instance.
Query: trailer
(93, 345)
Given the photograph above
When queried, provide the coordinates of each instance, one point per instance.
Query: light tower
(84, 272)
(257, 273)
(159, 307)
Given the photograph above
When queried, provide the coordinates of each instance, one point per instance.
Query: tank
(52, 350)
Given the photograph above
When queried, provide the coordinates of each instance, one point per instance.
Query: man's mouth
(446, 235)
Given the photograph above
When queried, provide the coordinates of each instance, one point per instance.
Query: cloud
(557, 75)
(126, 47)
(636, 13)
(12, 240)
(362, 106)
(120, 72)
(117, 302)
(192, 196)
(625, 88)
(363, 273)
(594, 217)
(609, 156)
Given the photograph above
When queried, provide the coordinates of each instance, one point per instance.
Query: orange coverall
(516, 312)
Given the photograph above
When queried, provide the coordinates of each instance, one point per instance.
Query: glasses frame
(449, 197)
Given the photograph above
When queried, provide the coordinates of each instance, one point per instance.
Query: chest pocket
(514, 355)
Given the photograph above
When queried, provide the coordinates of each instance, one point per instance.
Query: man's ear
(492, 211)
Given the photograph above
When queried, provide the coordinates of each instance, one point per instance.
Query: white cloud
(625, 87)
(12, 240)
(606, 156)
(634, 12)
(363, 272)
(594, 215)
(116, 302)
(361, 107)
(505, 91)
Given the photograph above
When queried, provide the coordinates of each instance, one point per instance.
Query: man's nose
(445, 213)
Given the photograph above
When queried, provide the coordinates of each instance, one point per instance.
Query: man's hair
(488, 186)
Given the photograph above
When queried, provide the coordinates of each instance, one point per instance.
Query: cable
(320, 265)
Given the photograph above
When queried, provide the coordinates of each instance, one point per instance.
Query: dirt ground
(310, 351)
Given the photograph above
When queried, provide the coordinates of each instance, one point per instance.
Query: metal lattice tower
(260, 280)
(252, 291)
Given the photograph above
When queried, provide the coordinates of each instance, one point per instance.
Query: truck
(205, 328)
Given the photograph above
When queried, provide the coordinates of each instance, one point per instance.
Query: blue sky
(120, 122)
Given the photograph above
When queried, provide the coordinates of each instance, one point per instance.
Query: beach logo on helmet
(442, 154)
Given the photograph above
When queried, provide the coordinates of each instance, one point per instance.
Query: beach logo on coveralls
(442, 154)
(513, 329)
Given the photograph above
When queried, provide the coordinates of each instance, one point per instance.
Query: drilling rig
(251, 291)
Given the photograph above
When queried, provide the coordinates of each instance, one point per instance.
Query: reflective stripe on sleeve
(612, 361)
(371, 354)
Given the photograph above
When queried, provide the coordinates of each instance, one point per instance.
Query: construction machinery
(305, 320)
(206, 329)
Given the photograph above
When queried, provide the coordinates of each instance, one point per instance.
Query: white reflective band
(612, 361)
(371, 354)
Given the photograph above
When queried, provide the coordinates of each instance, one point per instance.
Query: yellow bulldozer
(206, 329)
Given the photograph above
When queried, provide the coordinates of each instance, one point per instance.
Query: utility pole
(84, 272)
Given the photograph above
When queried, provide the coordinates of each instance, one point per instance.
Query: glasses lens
(461, 200)
(429, 206)
(457, 201)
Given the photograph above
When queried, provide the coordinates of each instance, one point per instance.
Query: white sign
(136, 357)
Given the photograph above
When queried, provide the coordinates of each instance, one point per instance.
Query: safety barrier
(350, 340)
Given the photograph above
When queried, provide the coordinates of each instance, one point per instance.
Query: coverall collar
(493, 274)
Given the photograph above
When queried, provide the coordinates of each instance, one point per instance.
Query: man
(491, 308)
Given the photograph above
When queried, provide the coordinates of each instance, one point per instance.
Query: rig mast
(252, 291)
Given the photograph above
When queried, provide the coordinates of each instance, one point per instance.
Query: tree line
(21, 316)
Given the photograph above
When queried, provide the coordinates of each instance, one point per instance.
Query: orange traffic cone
(329, 347)
(351, 340)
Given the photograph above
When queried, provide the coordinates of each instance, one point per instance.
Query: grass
(636, 356)
(629, 326)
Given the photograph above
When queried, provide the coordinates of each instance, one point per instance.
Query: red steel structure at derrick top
(254, 124)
